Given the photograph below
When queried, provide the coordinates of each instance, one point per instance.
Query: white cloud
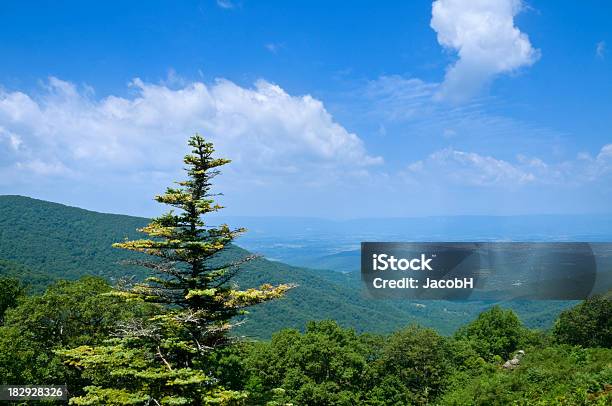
(449, 133)
(38, 167)
(469, 168)
(594, 168)
(600, 49)
(399, 98)
(12, 140)
(451, 166)
(225, 4)
(406, 108)
(267, 131)
(272, 47)
(487, 42)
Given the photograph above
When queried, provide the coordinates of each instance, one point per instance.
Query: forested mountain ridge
(63, 241)
(41, 242)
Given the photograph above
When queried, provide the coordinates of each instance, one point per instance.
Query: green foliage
(329, 365)
(11, 290)
(558, 375)
(324, 366)
(496, 333)
(126, 372)
(50, 240)
(589, 324)
(33, 281)
(68, 314)
(414, 361)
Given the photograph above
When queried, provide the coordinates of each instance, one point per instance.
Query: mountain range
(41, 242)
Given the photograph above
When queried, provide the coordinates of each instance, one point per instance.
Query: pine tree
(190, 275)
(162, 360)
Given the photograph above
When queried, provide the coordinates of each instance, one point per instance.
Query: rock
(515, 361)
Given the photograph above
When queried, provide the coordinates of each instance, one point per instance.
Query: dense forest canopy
(328, 364)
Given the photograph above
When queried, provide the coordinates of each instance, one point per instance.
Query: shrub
(495, 333)
(588, 324)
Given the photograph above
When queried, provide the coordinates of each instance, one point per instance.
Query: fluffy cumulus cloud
(486, 40)
(452, 166)
(64, 130)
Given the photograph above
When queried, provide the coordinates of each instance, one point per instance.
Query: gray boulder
(515, 361)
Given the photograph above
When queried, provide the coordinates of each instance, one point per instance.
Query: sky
(327, 109)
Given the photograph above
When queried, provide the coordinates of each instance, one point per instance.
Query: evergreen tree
(163, 360)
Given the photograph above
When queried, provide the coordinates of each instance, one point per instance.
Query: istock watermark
(383, 262)
(486, 270)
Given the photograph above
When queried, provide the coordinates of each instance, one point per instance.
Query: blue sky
(327, 109)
